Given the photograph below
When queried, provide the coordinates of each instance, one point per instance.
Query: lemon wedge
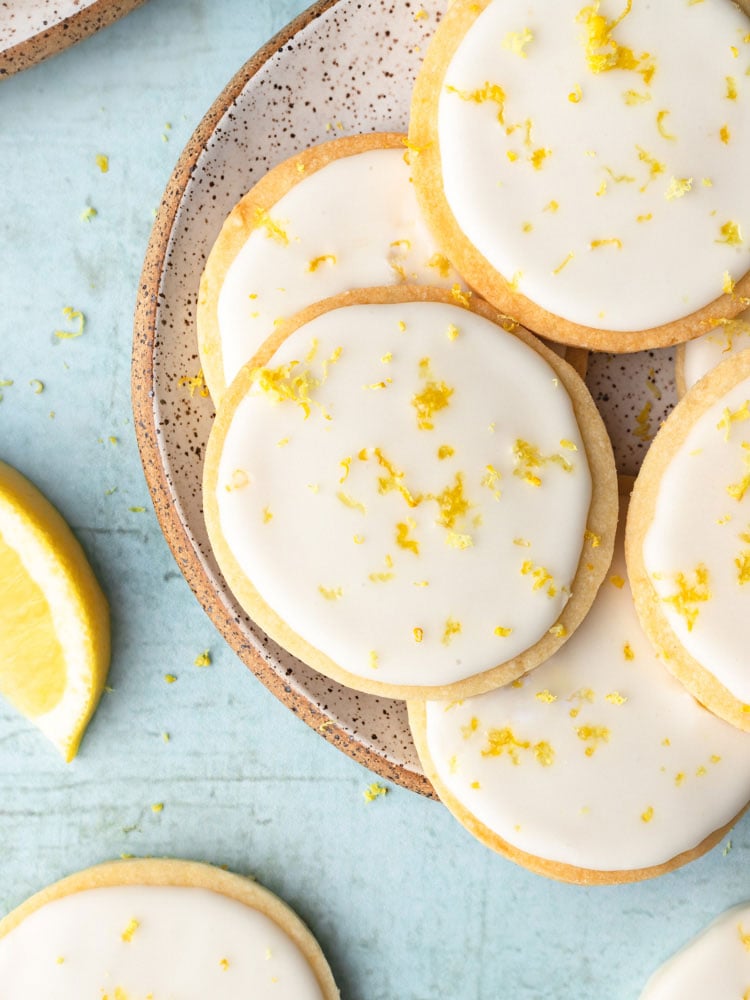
(54, 619)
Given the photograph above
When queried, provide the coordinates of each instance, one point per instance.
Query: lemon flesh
(54, 619)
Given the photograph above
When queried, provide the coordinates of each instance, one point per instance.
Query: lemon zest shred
(73, 316)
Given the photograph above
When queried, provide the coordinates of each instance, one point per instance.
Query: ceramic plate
(31, 30)
(342, 67)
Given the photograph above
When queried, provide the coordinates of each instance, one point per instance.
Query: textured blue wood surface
(405, 903)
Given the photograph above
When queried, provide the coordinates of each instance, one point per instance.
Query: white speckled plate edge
(51, 26)
(341, 67)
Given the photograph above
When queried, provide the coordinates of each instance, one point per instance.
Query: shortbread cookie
(341, 215)
(688, 541)
(598, 767)
(578, 176)
(714, 965)
(407, 496)
(698, 357)
(178, 929)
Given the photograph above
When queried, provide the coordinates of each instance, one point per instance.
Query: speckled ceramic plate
(344, 66)
(32, 30)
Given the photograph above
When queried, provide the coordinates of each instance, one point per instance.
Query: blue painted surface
(405, 903)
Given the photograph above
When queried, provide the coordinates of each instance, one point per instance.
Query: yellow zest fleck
(678, 187)
(452, 503)
(137, 510)
(727, 285)
(524, 543)
(434, 397)
(595, 540)
(504, 742)
(738, 416)
(73, 316)
(731, 88)
(394, 481)
(412, 149)
(742, 562)
(402, 536)
(603, 52)
(470, 728)
(475, 785)
(452, 627)
(349, 501)
(373, 660)
(60, 960)
(445, 451)
(643, 424)
(564, 263)
(203, 659)
(224, 963)
(273, 230)
(593, 736)
(660, 116)
(170, 678)
(648, 814)
(441, 264)
(576, 94)
(418, 634)
(381, 576)
(701, 772)
(157, 807)
(731, 233)
(330, 593)
(546, 696)
(317, 261)
(456, 540)
(690, 595)
(602, 189)
(491, 480)
(627, 651)
(195, 383)
(551, 206)
(238, 480)
(127, 934)
(559, 631)
(538, 157)
(527, 227)
(615, 698)
(346, 464)
(654, 165)
(620, 178)
(679, 778)
(267, 515)
(568, 445)
(452, 332)
(724, 134)
(374, 791)
(738, 490)
(489, 92)
(614, 242)
(502, 631)
(462, 298)
(651, 384)
(286, 383)
(617, 581)
(644, 218)
(36, 385)
(88, 213)
(102, 162)
(517, 42)
(632, 97)
(512, 155)
(541, 576)
(528, 457)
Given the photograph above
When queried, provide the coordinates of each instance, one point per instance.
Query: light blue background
(406, 905)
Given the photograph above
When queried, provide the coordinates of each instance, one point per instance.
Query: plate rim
(142, 381)
(69, 31)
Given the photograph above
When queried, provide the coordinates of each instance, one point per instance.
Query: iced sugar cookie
(715, 964)
(409, 497)
(688, 541)
(597, 767)
(338, 216)
(698, 357)
(177, 929)
(574, 172)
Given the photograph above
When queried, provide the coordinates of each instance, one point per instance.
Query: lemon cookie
(577, 175)
(179, 929)
(408, 496)
(599, 767)
(688, 540)
(337, 216)
(698, 357)
(715, 964)
(54, 618)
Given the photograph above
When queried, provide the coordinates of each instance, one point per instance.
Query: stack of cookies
(409, 490)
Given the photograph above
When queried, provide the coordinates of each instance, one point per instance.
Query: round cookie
(688, 541)
(577, 176)
(597, 768)
(698, 357)
(165, 928)
(409, 497)
(338, 216)
(715, 964)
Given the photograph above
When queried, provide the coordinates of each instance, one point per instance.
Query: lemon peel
(54, 618)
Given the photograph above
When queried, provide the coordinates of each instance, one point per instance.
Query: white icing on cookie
(598, 759)
(697, 548)
(131, 942)
(706, 352)
(715, 964)
(422, 518)
(613, 199)
(353, 223)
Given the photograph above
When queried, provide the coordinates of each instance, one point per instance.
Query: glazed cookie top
(714, 964)
(698, 357)
(338, 216)
(126, 942)
(585, 165)
(599, 766)
(689, 537)
(407, 486)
